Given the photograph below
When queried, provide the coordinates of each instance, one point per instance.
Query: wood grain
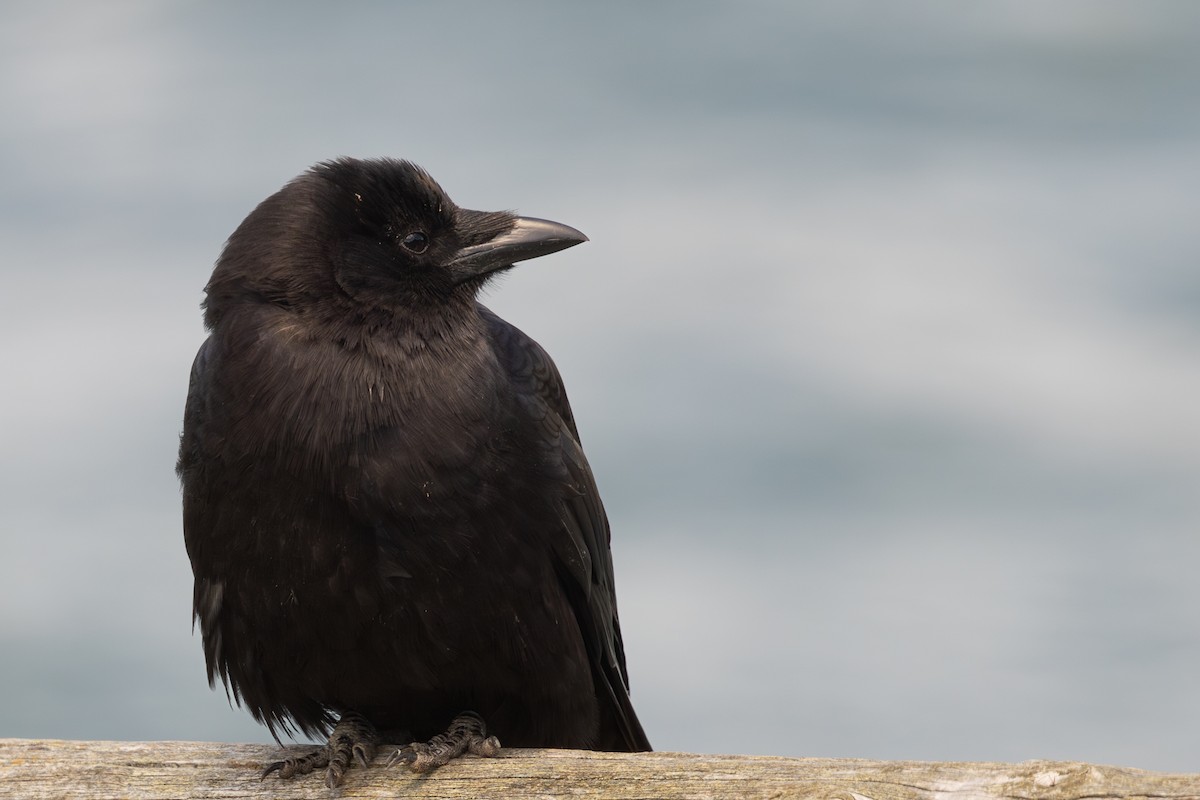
(36, 769)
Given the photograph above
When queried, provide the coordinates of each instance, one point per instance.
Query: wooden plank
(37, 769)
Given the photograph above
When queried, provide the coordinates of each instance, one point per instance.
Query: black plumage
(389, 515)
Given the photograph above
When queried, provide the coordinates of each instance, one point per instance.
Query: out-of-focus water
(885, 348)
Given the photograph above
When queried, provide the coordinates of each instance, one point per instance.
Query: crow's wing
(584, 557)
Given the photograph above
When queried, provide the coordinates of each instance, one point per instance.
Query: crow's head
(379, 233)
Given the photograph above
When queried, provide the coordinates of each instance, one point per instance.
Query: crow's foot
(466, 734)
(354, 738)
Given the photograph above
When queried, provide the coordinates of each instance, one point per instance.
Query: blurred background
(885, 348)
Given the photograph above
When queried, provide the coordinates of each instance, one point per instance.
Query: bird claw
(363, 753)
(298, 765)
(405, 754)
(466, 734)
(353, 738)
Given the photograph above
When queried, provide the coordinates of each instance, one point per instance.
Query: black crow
(394, 532)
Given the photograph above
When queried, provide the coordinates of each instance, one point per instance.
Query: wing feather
(583, 550)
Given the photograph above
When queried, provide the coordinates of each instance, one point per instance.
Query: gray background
(885, 349)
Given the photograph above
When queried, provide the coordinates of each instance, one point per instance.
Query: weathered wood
(35, 769)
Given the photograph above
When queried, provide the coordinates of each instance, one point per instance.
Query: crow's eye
(416, 241)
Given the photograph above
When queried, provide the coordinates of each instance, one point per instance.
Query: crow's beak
(528, 238)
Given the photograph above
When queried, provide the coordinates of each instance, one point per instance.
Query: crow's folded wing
(584, 557)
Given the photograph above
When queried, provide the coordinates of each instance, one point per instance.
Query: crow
(394, 533)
